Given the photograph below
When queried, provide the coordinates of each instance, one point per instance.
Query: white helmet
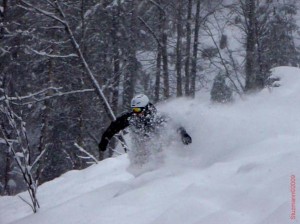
(140, 100)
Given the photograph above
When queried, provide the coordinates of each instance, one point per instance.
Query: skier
(146, 127)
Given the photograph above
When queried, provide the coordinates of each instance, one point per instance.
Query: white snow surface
(237, 170)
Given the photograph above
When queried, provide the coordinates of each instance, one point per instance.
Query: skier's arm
(185, 137)
(119, 124)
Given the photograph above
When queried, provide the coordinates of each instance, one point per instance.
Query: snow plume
(239, 169)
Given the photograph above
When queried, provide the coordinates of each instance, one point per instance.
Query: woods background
(164, 48)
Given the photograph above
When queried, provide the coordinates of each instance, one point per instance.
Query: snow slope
(237, 170)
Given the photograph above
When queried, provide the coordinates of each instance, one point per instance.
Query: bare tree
(23, 156)
(248, 8)
(61, 18)
(8, 165)
(132, 62)
(188, 48)
(195, 50)
(164, 49)
(158, 74)
(178, 47)
(227, 64)
(2, 17)
(116, 58)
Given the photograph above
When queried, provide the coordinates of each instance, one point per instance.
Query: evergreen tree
(220, 92)
(277, 44)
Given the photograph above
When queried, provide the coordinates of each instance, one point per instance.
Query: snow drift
(237, 170)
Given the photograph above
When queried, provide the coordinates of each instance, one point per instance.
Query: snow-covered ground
(237, 170)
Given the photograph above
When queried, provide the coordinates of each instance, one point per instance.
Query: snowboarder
(144, 121)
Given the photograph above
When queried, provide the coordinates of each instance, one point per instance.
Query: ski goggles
(137, 109)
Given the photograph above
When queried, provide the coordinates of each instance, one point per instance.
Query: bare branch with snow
(29, 7)
(61, 18)
(43, 95)
(23, 155)
(43, 53)
(89, 156)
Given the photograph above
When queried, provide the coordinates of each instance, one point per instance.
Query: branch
(4, 141)
(33, 98)
(3, 51)
(230, 56)
(38, 158)
(29, 96)
(26, 202)
(50, 3)
(119, 153)
(85, 152)
(235, 68)
(59, 94)
(62, 19)
(43, 53)
(23, 163)
(151, 31)
(222, 60)
(158, 6)
(93, 137)
(99, 91)
(30, 7)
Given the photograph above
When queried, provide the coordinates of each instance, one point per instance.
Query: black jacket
(125, 120)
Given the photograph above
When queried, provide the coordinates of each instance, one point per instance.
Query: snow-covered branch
(43, 95)
(3, 51)
(43, 53)
(30, 95)
(29, 7)
(222, 60)
(38, 158)
(50, 3)
(89, 156)
(4, 141)
(151, 31)
(158, 6)
(61, 18)
(99, 91)
(21, 156)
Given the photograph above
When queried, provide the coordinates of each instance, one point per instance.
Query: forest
(69, 67)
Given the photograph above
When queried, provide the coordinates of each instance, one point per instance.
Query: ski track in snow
(237, 170)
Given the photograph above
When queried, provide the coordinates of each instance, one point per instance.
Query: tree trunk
(116, 64)
(178, 48)
(7, 171)
(2, 17)
(195, 50)
(79, 163)
(158, 74)
(132, 63)
(43, 140)
(116, 71)
(8, 163)
(250, 46)
(164, 54)
(188, 48)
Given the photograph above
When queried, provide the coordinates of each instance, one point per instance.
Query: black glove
(102, 145)
(186, 139)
